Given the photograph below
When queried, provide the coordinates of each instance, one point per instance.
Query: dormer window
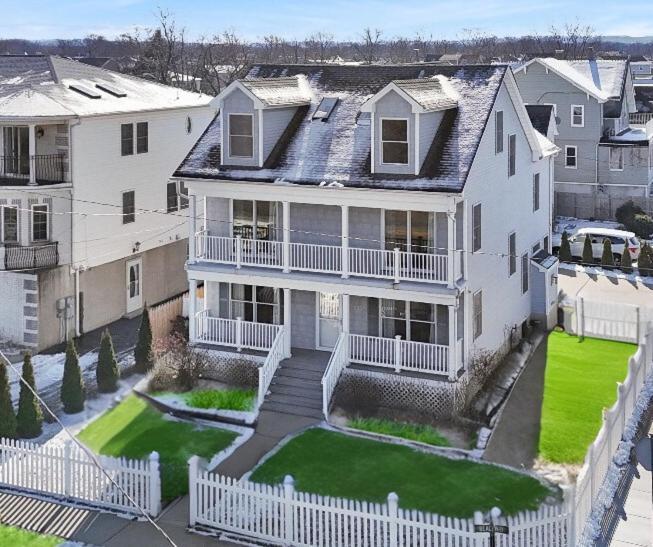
(241, 136)
(394, 141)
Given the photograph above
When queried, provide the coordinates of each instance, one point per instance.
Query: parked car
(618, 238)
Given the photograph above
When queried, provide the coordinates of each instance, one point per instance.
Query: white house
(387, 214)
(91, 227)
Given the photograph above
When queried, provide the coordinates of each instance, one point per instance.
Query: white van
(618, 238)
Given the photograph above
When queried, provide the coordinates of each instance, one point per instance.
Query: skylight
(86, 91)
(116, 92)
(326, 106)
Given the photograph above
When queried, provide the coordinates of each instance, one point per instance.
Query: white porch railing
(395, 264)
(266, 372)
(399, 354)
(337, 363)
(235, 332)
(66, 471)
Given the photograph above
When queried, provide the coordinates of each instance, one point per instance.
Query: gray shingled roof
(338, 151)
(293, 91)
(429, 93)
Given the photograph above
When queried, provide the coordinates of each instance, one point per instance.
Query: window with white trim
(394, 141)
(476, 228)
(498, 132)
(577, 115)
(40, 222)
(571, 157)
(10, 224)
(176, 196)
(512, 253)
(477, 314)
(512, 155)
(416, 321)
(256, 303)
(241, 135)
(616, 159)
(536, 192)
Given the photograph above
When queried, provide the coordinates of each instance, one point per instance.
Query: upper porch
(33, 154)
(397, 241)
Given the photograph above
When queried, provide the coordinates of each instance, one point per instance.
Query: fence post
(393, 513)
(569, 500)
(398, 353)
(239, 251)
(397, 263)
(193, 472)
(581, 319)
(239, 333)
(155, 485)
(67, 468)
(288, 524)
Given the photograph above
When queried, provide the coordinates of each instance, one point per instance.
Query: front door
(134, 285)
(329, 320)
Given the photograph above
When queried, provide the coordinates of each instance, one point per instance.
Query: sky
(253, 19)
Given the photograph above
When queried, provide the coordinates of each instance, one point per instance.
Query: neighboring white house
(85, 160)
(605, 160)
(389, 210)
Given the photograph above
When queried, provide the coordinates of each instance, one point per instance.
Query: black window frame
(142, 137)
(524, 273)
(536, 192)
(477, 224)
(498, 132)
(512, 254)
(172, 201)
(40, 225)
(126, 140)
(128, 210)
(512, 155)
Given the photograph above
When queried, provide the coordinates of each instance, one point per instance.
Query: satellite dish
(644, 452)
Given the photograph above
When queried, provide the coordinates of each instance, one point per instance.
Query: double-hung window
(478, 314)
(476, 228)
(512, 253)
(394, 141)
(128, 207)
(142, 137)
(536, 192)
(10, 224)
(241, 135)
(577, 115)
(416, 321)
(571, 157)
(616, 158)
(512, 155)
(256, 303)
(498, 132)
(40, 222)
(127, 139)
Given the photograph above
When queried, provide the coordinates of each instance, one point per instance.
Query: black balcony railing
(31, 257)
(48, 169)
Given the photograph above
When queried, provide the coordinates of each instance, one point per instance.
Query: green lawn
(580, 381)
(22, 538)
(334, 464)
(414, 432)
(134, 429)
(221, 399)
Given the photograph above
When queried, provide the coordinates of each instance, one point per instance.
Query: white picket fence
(66, 471)
(281, 515)
(608, 319)
(602, 450)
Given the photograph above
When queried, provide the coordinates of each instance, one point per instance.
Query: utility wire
(88, 452)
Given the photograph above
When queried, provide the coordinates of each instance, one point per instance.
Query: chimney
(591, 55)
(560, 53)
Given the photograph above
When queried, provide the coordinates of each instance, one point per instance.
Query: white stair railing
(266, 372)
(337, 363)
(235, 332)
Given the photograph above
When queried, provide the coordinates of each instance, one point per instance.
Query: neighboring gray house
(384, 215)
(604, 160)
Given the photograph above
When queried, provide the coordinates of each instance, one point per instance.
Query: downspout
(74, 268)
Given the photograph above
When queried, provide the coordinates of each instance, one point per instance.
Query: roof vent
(111, 90)
(326, 106)
(86, 91)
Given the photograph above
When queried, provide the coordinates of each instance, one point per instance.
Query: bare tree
(319, 46)
(574, 39)
(370, 44)
(223, 59)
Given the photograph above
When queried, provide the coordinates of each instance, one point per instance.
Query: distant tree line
(165, 53)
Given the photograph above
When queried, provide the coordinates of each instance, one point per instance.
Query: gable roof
(288, 91)
(338, 151)
(430, 94)
(40, 86)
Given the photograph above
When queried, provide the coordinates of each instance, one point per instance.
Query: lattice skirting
(233, 368)
(367, 390)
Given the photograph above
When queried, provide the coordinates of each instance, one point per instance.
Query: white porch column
(192, 310)
(32, 154)
(344, 240)
(286, 236)
(451, 245)
(286, 321)
(452, 343)
(345, 313)
(192, 228)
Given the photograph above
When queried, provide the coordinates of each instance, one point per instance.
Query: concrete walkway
(516, 435)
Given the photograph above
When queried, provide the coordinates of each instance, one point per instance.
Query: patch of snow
(597, 270)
